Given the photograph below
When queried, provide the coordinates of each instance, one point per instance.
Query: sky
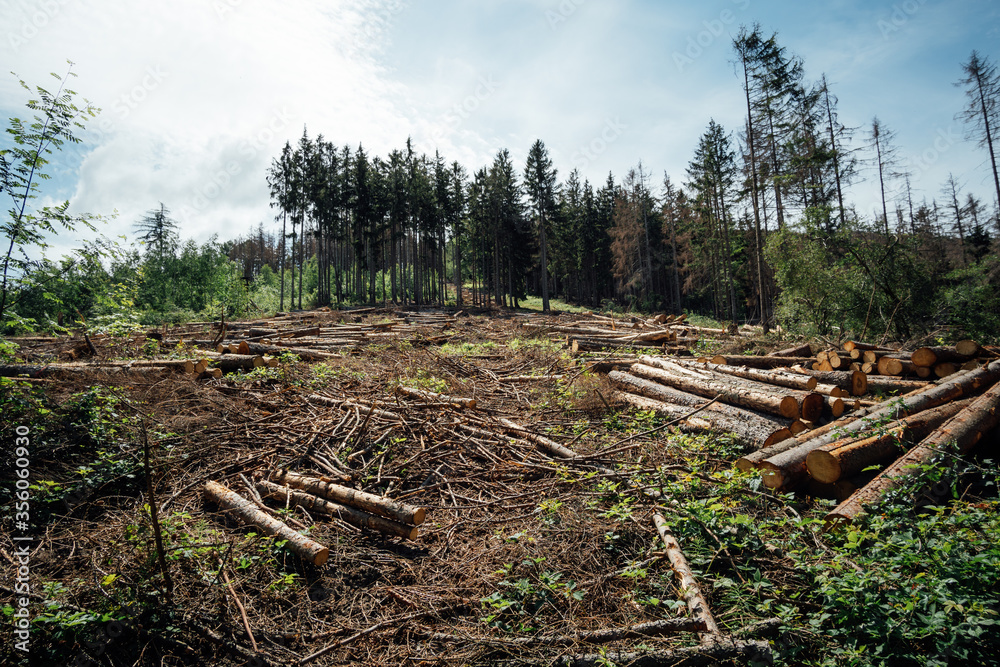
(198, 96)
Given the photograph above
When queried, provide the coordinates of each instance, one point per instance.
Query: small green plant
(515, 607)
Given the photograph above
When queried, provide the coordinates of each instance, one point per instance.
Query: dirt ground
(520, 553)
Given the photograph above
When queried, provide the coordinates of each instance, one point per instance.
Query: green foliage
(971, 299)
(24, 230)
(515, 607)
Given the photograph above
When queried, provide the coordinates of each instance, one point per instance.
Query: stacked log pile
(923, 363)
(833, 457)
(598, 333)
(810, 417)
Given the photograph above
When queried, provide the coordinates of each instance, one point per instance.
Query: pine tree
(540, 186)
(982, 113)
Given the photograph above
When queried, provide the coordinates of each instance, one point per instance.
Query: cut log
(247, 512)
(303, 353)
(968, 348)
(798, 351)
(965, 430)
(760, 362)
(369, 502)
(855, 345)
(231, 363)
(789, 467)
(945, 368)
(48, 370)
(735, 391)
(775, 377)
(550, 447)
(186, 366)
(888, 365)
(351, 515)
(524, 379)
(929, 356)
(849, 456)
(349, 405)
(855, 382)
(688, 584)
(661, 392)
(706, 421)
(422, 394)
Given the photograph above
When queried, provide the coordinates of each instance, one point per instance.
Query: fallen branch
(245, 511)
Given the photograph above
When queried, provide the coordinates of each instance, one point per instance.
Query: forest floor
(521, 554)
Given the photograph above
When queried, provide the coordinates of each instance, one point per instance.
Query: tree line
(759, 228)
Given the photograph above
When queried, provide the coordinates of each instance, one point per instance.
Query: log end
(837, 406)
(924, 356)
(812, 407)
(823, 466)
(772, 476)
(968, 348)
(789, 407)
(859, 383)
(419, 515)
(321, 556)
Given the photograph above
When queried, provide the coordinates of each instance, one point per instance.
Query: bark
(735, 391)
(788, 468)
(351, 515)
(369, 502)
(965, 430)
(246, 512)
(929, 356)
(688, 584)
(775, 377)
(550, 447)
(803, 350)
(856, 382)
(705, 421)
(850, 456)
(305, 354)
(760, 362)
(645, 387)
(231, 363)
(435, 398)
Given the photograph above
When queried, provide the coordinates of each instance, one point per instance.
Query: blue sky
(198, 96)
